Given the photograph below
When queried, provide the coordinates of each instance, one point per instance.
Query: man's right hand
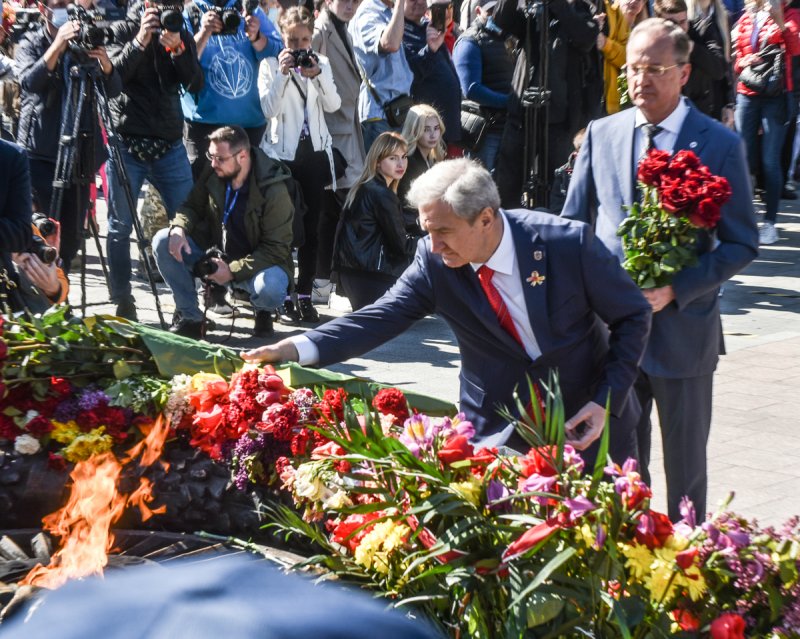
(209, 24)
(285, 61)
(151, 23)
(283, 351)
(65, 34)
(178, 243)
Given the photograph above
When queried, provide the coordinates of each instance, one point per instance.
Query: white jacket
(283, 106)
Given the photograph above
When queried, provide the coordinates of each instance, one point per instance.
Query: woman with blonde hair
(423, 130)
(370, 249)
(621, 17)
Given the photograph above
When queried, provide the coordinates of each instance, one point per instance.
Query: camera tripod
(536, 103)
(87, 94)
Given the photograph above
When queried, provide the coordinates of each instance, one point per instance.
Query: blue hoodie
(230, 68)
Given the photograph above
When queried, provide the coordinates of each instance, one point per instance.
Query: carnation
(27, 445)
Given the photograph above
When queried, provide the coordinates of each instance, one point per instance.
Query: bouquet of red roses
(680, 200)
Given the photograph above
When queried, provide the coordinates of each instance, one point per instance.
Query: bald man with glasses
(686, 338)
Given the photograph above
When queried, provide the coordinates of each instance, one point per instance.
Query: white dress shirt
(666, 138)
(507, 281)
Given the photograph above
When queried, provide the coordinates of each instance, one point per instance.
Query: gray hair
(657, 28)
(464, 185)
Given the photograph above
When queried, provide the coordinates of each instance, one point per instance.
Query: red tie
(485, 275)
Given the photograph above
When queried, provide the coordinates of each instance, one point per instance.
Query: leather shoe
(788, 193)
(307, 311)
(188, 328)
(288, 314)
(263, 326)
(127, 309)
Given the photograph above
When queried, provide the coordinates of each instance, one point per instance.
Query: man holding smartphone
(435, 79)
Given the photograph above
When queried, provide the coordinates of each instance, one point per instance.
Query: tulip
(728, 625)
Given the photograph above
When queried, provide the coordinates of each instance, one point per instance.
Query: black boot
(263, 324)
(288, 314)
(307, 311)
(127, 309)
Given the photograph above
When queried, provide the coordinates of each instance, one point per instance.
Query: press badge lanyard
(230, 203)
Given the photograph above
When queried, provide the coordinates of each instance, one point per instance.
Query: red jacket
(768, 33)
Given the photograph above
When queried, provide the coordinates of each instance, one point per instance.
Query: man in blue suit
(685, 342)
(559, 285)
(15, 203)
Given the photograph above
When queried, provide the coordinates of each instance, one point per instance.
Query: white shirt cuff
(307, 351)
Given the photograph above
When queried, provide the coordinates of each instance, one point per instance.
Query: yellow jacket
(614, 54)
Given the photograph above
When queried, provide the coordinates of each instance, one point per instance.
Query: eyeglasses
(653, 70)
(219, 158)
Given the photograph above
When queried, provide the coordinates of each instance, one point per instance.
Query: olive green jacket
(268, 217)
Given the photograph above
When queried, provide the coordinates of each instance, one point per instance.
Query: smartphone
(438, 16)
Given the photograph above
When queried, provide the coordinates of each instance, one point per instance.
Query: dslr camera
(45, 225)
(94, 30)
(171, 16)
(205, 266)
(304, 58)
(41, 249)
(229, 16)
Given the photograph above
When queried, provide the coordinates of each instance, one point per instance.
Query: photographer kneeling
(240, 203)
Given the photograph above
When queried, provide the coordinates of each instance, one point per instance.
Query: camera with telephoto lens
(304, 58)
(24, 20)
(42, 250)
(171, 16)
(45, 225)
(206, 266)
(229, 16)
(94, 30)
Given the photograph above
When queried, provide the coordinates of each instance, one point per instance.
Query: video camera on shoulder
(95, 30)
(206, 266)
(24, 20)
(304, 58)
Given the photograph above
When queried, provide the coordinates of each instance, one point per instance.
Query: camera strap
(230, 203)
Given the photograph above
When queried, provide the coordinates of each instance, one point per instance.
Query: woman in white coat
(296, 90)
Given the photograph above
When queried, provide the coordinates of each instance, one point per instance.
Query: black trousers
(332, 205)
(195, 138)
(684, 413)
(363, 288)
(73, 207)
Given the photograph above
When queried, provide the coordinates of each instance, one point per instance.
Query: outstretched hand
(594, 417)
(283, 351)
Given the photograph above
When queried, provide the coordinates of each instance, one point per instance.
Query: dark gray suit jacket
(582, 289)
(686, 337)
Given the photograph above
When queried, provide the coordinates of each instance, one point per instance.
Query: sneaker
(288, 314)
(768, 234)
(321, 292)
(263, 327)
(188, 328)
(127, 309)
(216, 301)
(307, 311)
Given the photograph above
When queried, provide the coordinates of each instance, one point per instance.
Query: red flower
(8, 429)
(728, 625)
(332, 404)
(706, 215)
(455, 449)
(653, 530)
(281, 464)
(56, 462)
(60, 386)
(39, 426)
(717, 188)
(344, 531)
(685, 558)
(539, 461)
(300, 442)
(675, 198)
(685, 619)
(682, 162)
(391, 401)
(484, 456)
(529, 539)
(653, 167)
(3, 349)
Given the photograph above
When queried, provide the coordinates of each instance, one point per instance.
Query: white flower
(308, 484)
(31, 415)
(27, 444)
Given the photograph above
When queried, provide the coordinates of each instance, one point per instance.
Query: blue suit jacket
(584, 289)
(15, 202)
(686, 337)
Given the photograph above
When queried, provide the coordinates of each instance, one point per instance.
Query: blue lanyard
(229, 205)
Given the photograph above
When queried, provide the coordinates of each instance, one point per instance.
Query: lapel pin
(535, 279)
(537, 255)
(692, 145)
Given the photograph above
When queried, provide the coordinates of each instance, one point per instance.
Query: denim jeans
(371, 129)
(754, 112)
(171, 175)
(266, 288)
(487, 154)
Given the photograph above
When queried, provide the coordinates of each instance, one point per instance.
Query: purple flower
(66, 410)
(600, 537)
(578, 507)
(573, 459)
(628, 467)
(687, 512)
(418, 434)
(495, 491)
(245, 464)
(537, 483)
(91, 398)
(459, 425)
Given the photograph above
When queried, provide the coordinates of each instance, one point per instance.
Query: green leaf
(545, 573)
(542, 608)
(122, 369)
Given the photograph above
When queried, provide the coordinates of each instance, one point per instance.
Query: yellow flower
(469, 490)
(639, 560)
(585, 534)
(694, 582)
(64, 433)
(87, 444)
(201, 380)
(376, 546)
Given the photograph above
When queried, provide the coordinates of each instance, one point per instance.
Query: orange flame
(94, 505)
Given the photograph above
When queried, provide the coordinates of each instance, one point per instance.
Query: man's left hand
(42, 276)
(170, 40)
(594, 416)
(434, 38)
(252, 27)
(223, 273)
(659, 297)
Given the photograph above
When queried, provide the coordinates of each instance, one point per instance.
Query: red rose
(455, 449)
(539, 461)
(674, 197)
(653, 167)
(39, 426)
(728, 625)
(706, 215)
(685, 619)
(717, 188)
(391, 401)
(682, 162)
(60, 386)
(653, 530)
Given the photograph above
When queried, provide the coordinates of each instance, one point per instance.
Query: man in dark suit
(683, 349)
(558, 284)
(15, 203)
